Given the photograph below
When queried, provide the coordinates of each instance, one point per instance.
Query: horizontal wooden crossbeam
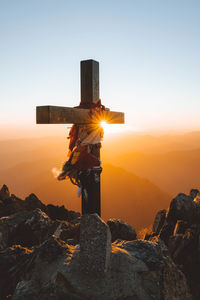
(67, 115)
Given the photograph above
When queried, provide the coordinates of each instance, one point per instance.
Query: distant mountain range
(139, 172)
(171, 171)
(124, 195)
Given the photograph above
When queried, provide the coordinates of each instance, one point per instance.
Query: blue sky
(148, 52)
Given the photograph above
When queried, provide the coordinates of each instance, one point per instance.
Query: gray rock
(95, 245)
(61, 213)
(166, 231)
(183, 208)
(32, 202)
(181, 234)
(180, 227)
(185, 251)
(121, 230)
(4, 193)
(24, 228)
(49, 268)
(10, 205)
(66, 230)
(14, 262)
(194, 193)
(143, 250)
(26, 290)
(138, 270)
(159, 221)
(8, 227)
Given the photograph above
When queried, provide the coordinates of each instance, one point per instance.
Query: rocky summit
(48, 252)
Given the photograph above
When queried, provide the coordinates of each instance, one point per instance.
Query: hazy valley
(140, 173)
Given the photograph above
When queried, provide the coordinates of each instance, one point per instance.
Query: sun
(103, 123)
(111, 128)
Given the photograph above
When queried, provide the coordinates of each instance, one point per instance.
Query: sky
(148, 52)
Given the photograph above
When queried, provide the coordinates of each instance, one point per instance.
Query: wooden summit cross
(91, 201)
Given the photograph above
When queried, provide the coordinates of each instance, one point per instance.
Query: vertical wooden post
(89, 81)
(91, 192)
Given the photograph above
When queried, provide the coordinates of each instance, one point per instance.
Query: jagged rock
(4, 193)
(14, 263)
(181, 233)
(185, 251)
(39, 224)
(159, 228)
(49, 250)
(61, 213)
(26, 290)
(159, 221)
(143, 250)
(95, 244)
(38, 220)
(41, 280)
(194, 193)
(66, 231)
(183, 208)
(138, 270)
(121, 230)
(25, 228)
(56, 267)
(11, 204)
(166, 231)
(9, 226)
(29, 228)
(56, 289)
(32, 202)
(180, 227)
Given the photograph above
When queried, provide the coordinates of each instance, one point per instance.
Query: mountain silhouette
(124, 195)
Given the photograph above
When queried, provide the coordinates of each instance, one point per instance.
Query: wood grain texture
(89, 81)
(67, 115)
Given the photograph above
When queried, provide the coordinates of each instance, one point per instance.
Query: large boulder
(138, 270)
(183, 207)
(185, 251)
(181, 234)
(159, 221)
(25, 228)
(30, 228)
(121, 230)
(95, 245)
